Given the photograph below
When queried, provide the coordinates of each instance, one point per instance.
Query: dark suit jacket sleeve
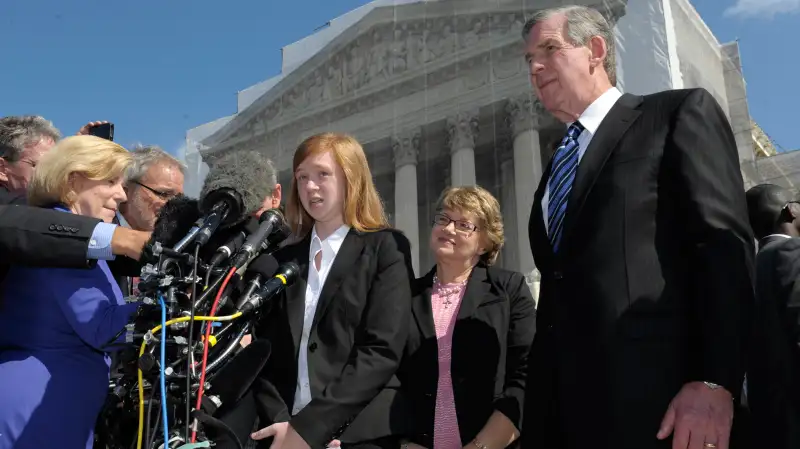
(26, 237)
(521, 329)
(377, 351)
(788, 267)
(703, 162)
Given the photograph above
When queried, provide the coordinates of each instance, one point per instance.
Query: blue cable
(163, 365)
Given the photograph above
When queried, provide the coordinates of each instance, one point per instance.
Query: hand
(335, 444)
(698, 415)
(277, 430)
(87, 127)
(293, 440)
(127, 242)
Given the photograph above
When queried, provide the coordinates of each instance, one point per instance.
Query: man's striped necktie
(562, 175)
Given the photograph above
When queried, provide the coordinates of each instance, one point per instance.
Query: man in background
(23, 141)
(154, 178)
(773, 375)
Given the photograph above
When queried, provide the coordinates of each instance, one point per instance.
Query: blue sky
(159, 67)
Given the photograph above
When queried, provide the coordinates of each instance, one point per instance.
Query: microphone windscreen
(244, 172)
(174, 220)
(266, 265)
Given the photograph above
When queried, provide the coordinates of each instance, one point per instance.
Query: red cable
(205, 346)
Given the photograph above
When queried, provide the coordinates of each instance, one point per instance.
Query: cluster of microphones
(215, 238)
(222, 225)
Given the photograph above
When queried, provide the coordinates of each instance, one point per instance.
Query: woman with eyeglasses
(464, 366)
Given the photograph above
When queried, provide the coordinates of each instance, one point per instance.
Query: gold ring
(710, 445)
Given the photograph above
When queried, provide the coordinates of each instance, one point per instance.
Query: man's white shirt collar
(597, 111)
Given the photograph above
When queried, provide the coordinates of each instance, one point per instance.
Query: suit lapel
(296, 293)
(342, 265)
(605, 140)
(537, 233)
(421, 307)
(477, 291)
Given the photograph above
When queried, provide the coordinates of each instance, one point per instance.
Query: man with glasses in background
(154, 178)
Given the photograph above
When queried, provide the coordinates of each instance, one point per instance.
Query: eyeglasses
(462, 226)
(158, 193)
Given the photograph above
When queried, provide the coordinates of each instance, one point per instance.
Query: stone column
(525, 120)
(462, 129)
(508, 204)
(405, 147)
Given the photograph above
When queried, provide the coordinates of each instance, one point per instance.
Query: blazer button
(52, 227)
(313, 346)
(59, 228)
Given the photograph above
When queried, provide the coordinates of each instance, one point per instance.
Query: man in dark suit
(639, 228)
(773, 375)
(44, 237)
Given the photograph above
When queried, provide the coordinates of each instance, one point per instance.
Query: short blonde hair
(483, 205)
(94, 157)
(363, 209)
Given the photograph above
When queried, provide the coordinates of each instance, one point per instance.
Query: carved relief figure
(447, 41)
(415, 47)
(333, 84)
(399, 52)
(315, 91)
(427, 55)
(355, 68)
(378, 66)
(472, 36)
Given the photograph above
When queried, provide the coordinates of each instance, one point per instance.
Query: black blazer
(652, 285)
(42, 237)
(493, 332)
(773, 377)
(356, 342)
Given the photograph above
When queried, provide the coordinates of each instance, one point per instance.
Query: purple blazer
(53, 372)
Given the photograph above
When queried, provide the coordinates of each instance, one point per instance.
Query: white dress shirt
(316, 280)
(590, 119)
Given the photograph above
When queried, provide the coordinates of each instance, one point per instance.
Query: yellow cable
(182, 319)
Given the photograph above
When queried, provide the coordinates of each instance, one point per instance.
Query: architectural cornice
(388, 56)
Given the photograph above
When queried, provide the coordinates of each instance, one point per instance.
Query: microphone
(263, 266)
(281, 233)
(176, 221)
(286, 275)
(234, 243)
(225, 251)
(234, 188)
(269, 221)
(220, 207)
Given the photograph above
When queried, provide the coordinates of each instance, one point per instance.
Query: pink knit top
(445, 302)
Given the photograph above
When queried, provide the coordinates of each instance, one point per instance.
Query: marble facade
(438, 93)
